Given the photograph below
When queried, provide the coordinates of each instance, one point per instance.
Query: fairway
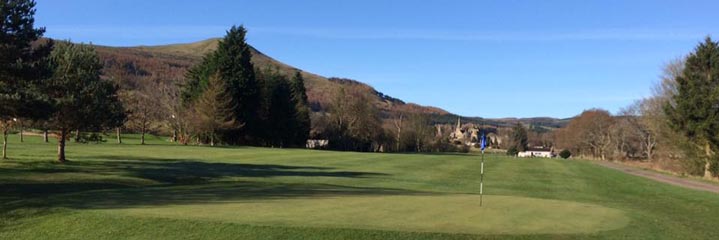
(163, 191)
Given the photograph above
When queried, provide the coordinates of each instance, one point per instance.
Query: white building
(537, 152)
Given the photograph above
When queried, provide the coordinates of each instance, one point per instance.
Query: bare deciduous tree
(144, 110)
(397, 122)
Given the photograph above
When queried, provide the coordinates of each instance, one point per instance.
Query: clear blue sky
(474, 58)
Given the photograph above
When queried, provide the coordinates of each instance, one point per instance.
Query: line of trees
(226, 99)
(62, 89)
(57, 86)
(354, 123)
(677, 127)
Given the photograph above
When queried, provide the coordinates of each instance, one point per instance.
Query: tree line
(353, 122)
(676, 128)
(55, 85)
(62, 89)
(226, 99)
(58, 87)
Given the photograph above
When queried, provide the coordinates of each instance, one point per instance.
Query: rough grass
(164, 191)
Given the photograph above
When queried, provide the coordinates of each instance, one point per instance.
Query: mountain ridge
(170, 61)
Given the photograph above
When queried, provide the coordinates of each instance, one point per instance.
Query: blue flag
(483, 142)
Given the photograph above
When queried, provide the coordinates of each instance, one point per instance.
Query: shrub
(463, 149)
(512, 151)
(565, 154)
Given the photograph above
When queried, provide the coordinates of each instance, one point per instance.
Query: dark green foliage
(694, 113)
(278, 109)
(512, 151)
(197, 79)
(92, 137)
(232, 61)
(565, 154)
(302, 126)
(273, 109)
(22, 66)
(519, 139)
(82, 101)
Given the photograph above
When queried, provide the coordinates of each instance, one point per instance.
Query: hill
(167, 64)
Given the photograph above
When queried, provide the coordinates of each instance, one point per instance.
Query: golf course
(166, 191)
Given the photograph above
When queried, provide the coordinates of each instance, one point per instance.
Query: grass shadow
(117, 182)
(217, 192)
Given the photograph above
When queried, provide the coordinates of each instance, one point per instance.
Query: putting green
(415, 213)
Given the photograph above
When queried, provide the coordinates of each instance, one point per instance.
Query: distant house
(317, 143)
(537, 152)
(467, 135)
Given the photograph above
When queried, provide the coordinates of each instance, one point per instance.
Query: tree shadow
(217, 192)
(193, 172)
(179, 171)
(119, 182)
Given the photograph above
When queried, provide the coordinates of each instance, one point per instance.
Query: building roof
(538, 149)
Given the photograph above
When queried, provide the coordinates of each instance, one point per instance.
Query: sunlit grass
(162, 190)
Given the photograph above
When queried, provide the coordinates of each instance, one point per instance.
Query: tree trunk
(707, 165)
(650, 147)
(22, 136)
(142, 137)
(61, 146)
(399, 132)
(119, 137)
(4, 144)
(77, 135)
(212, 140)
(44, 135)
(174, 135)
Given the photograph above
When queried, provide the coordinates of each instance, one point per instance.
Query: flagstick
(481, 179)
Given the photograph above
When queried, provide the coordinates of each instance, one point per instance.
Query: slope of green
(165, 191)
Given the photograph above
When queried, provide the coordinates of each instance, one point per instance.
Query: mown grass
(165, 191)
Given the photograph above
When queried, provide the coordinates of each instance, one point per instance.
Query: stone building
(464, 134)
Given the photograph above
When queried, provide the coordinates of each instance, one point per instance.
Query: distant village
(469, 134)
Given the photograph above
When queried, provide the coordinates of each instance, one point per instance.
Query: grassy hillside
(320, 89)
(163, 191)
(168, 63)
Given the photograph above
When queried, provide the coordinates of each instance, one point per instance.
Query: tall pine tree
(519, 138)
(695, 113)
(302, 124)
(278, 109)
(22, 66)
(81, 99)
(232, 61)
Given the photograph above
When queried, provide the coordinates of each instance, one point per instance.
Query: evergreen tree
(694, 111)
(22, 66)
(214, 110)
(302, 124)
(232, 61)
(197, 80)
(81, 99)
(519, 138)
(279, 109)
